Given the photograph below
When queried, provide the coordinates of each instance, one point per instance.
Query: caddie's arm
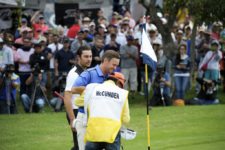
(68, 106)
(126, 113)
(78, 90)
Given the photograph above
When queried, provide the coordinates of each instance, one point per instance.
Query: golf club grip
(58, 94)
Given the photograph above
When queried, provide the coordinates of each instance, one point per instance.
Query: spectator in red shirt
(73, 30)
(40, 24)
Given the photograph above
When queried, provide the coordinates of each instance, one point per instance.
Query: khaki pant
(131, 77)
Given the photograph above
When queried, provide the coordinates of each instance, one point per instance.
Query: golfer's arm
(68, 105)
(78, 90)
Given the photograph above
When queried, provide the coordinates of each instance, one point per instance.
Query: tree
(206, 11)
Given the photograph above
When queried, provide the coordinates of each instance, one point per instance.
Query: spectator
(120, 37)
(86, 22)
(97, 51)
(21, 28)
(59, 86)
(207, 94)
(161, 86)
(129, 55)
(92, 27)
(6, 55)
(39, 60)
(24, 67)
(179, 38)
(215, 31)
(101, 31)
(124, 26)
(64, 59)
(9, 83)
(203, 48)
(73, 30)
(40, 25)
(132, 22)
(39, 99)
(24, 33)
(181, 72)
(78, 42)
(140, 68)
(113, 45)
(161, 57)
(100, 14)
(212, 59)
(55, 47)
(87, 36)
(39, 34)
(115, 18)
(153, 33)
(222, 41)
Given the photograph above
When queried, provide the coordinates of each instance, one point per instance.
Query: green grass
(180, 128)
(172, 128)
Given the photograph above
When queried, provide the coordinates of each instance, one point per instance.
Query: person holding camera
(35, 99)
(39, 62)
(161, 86)
(34, 94)
(9, 82)
(6, 55)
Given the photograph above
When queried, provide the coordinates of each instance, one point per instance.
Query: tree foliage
(200, 11)
(206, 11)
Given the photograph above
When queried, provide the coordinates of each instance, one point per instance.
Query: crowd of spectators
(52, 52)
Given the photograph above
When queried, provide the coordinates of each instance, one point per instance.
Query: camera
(60, 83)
(37, 69)
(9, 69)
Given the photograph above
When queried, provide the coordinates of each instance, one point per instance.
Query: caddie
(107, 107)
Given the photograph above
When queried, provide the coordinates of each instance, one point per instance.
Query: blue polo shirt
(92, 75)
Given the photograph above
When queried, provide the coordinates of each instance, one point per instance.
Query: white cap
(152, 27)
(103, 26)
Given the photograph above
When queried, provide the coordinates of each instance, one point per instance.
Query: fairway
(172, 128)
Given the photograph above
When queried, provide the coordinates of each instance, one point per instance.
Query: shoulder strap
(210, 58)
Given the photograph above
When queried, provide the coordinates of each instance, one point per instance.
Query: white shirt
(71, 77)
(213, 64)
(6, 56)
(120, 38)
(53, 50)
(24, 56)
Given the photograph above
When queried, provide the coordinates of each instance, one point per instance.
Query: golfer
(107, 108)
(97, 74)
(84, 57)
